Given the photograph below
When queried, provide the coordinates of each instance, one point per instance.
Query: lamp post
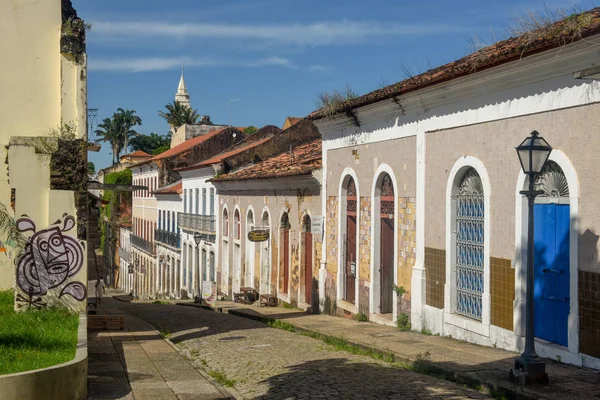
(198, 239)
(533, 154)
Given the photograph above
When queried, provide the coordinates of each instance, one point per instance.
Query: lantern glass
(197, 238)
(533, 153)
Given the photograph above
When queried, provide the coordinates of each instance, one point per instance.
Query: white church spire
(182, 96)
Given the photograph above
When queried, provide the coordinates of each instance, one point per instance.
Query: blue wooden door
(551, 272)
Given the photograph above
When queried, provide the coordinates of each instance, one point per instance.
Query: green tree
(109, 131)
(127, 120)
(118, 130)
(91, 168)
(250, 130)
(178, 114)
(150, 143)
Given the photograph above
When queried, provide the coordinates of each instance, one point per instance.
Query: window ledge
(467, 324)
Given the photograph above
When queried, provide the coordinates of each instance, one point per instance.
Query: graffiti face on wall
(48, 260)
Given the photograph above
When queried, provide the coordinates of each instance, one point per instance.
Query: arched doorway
(552, 220)
(178, 280)
(225, 253)
(190, 270)
(249, 273)
(284, 253)
(168, 277)
(213, 271)
(469, 244)
(237, 252)
(384, 208)
(349, 241)
(265, 259)
(307, 259)
(204, 269)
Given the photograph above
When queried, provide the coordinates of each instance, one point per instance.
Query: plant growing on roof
(178, 114)
(329, 102)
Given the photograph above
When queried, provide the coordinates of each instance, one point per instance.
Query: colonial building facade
(168, 240)
(280, 195)
(422, 203)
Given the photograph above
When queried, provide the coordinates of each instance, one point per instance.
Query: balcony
(143, 244)
(200, 223)
(125, 255)
(169, 238)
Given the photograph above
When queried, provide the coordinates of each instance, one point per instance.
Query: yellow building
(43, 126)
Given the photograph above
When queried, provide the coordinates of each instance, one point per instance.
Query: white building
(125, 278)
(168, 240)
(144, 220)
(198, 224)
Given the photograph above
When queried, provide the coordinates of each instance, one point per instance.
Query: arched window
(250, 250)
(384, 244)
(265, 259)
(237, 225)
(213, 271)
(225, 223)
(349, 240)
(284, 252)
(469, 212)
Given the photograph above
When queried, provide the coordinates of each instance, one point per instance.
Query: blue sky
(274, 55)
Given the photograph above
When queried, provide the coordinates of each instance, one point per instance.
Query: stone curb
(422, 367)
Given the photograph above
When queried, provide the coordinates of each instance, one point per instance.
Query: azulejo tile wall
(502, 292)
(435, 268)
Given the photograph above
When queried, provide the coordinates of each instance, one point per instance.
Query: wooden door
(386, 269)
(286, 259)
(350, 272)
(308, 261)
(552, 272)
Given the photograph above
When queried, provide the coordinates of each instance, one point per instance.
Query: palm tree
(109, 131)
(127, 120)
(178, 114)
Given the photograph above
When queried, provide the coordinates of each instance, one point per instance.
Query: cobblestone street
(264, 362)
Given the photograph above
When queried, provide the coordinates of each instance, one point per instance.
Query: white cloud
(319, 68)
(316, 34)
(163, 63)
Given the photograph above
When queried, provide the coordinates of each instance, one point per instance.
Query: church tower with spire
(182, 96)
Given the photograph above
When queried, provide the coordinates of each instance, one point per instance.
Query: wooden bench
(268, 300)
(106, 322)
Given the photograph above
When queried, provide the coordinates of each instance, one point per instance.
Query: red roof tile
(302, 161)
(137, 153)
(512, 49)
(222, 156)
(175, 188)
(188, 144)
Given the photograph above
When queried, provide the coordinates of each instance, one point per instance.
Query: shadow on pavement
(340, 378)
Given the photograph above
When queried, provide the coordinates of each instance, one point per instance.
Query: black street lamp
(533, 154)
(197, 238)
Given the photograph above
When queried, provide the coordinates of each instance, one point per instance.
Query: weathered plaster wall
(559, 128)
(41, 90)
(297, 203)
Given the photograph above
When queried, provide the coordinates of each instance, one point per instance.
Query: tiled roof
(137, 153)
(174, 188)
(188, 144)
(571, 29)
(222, 156)
(302, 161)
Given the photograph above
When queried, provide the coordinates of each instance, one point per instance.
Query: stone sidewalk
(456, 360)
(139, 364)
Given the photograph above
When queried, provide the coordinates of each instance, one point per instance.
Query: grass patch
(361, 317)
(279, 324)
(160, 302)
(221, 377)
(426, 331)
(403, 322)
(36, 338)
(165, 334)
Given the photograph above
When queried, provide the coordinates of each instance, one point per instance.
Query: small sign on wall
(316, 224)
